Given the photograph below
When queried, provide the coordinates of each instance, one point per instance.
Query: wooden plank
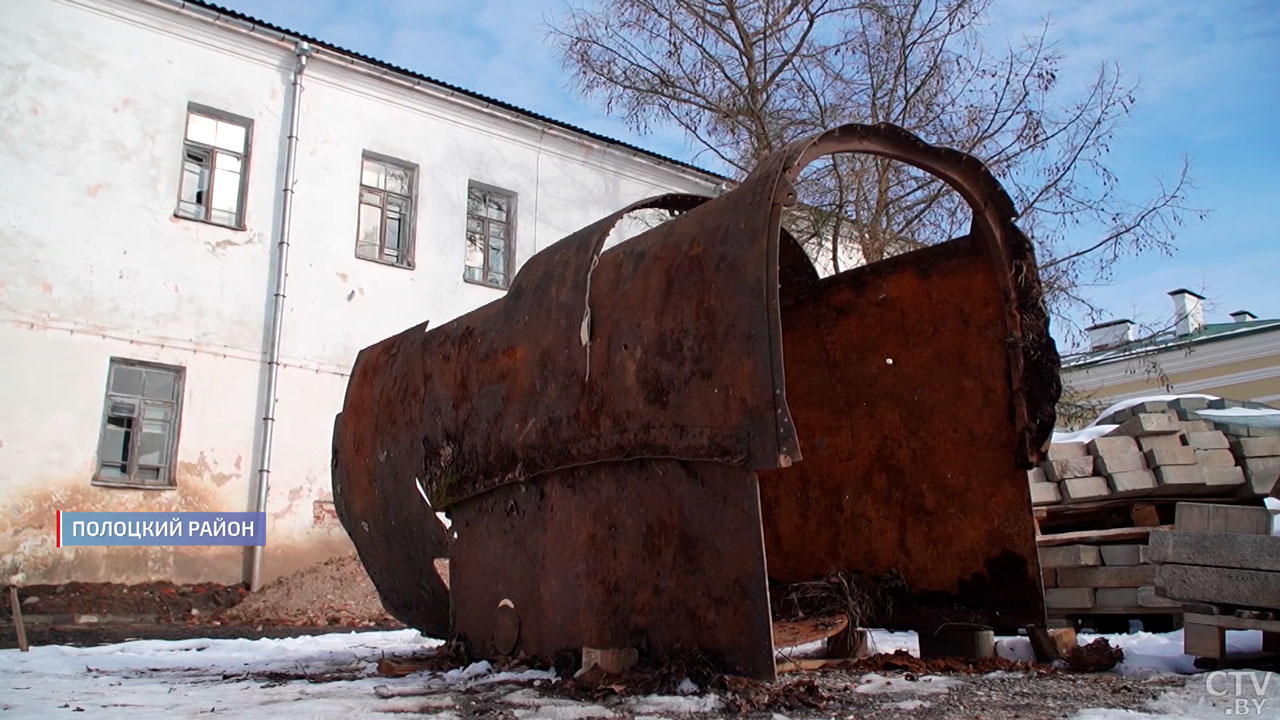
(791, 633)
(1132, 502)
(1097, 536)
(1144, 515)
(799, 664)
(1231, 622)
(17, 618)
(1132, 611)
(1199, 640)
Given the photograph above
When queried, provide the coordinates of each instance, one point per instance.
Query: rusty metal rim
(993, 209)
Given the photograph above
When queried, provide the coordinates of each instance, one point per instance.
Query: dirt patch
(109, 633)
(902, 660)
(336, 592)
(882, 685)
(160, 601)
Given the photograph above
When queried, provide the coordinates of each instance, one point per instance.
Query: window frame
(131, 481)
(513, 200)
(242, 197)
(409, 254)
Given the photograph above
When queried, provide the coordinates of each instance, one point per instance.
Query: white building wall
(93, 263)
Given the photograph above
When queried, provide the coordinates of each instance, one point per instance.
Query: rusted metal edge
(1033, 359)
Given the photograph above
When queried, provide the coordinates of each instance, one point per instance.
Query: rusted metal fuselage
(627, 460)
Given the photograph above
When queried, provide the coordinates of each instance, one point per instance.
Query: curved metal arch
(993, 214)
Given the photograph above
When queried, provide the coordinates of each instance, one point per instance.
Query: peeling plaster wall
(53, 381)
(93, 264)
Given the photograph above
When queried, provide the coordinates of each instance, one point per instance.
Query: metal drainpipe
(301, 51)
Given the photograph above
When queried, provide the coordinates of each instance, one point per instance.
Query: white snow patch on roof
(1238, 412)
(1130, 402)
(1083, 435)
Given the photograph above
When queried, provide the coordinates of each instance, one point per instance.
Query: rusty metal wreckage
(627, 461)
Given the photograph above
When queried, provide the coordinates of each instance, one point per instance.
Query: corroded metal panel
(646, 553)
(896, 377)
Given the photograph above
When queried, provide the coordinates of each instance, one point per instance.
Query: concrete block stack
(1157, 454)
(1222, 563)
(1092, 579)
(1097, 501)
(1259, 460)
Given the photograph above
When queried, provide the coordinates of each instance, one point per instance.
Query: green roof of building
(1211, 332)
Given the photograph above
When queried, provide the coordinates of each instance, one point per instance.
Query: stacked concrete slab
(1091, 579)
(1223, 563)
(1158, 454)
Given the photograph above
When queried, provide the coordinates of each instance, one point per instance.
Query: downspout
(301, 51)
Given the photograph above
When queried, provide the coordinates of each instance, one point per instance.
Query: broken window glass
(140, 423)
(117, 438)
(397, 180)
(193, 195)
(212, 186)
(368, 236)
(385, 226)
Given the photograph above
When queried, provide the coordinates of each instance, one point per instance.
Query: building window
(140, 424)
(491, 237)
(215, 160)
(385, 232)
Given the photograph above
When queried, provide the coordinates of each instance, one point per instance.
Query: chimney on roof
(1188, 311)
(1243, 316)
(1110, 334)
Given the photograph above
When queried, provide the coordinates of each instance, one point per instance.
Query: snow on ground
(1144, 652)
(880, 641)
(167, 679)
(1209, 696)
(177, 678)
(877, 684)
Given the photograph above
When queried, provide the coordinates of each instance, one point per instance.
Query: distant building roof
(254, 23)
(1212, 332)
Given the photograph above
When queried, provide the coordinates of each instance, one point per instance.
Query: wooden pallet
(1098, 537)
(1205, 636)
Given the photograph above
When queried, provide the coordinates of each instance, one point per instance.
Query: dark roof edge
(1184, 291)
(255, 23)
(1109, 323)
(1265, 325)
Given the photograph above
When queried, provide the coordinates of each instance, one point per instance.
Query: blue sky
(1209, 88)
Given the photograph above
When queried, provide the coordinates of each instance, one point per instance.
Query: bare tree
(743, 77)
